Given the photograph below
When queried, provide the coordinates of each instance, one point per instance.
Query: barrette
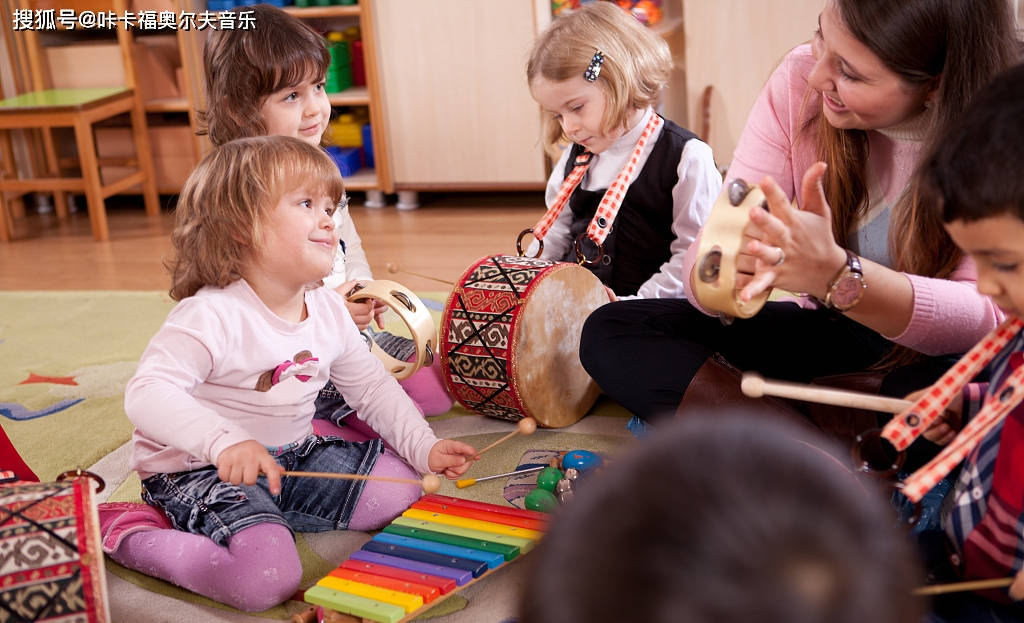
(594, 68)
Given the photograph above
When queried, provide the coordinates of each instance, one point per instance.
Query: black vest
(638, 243)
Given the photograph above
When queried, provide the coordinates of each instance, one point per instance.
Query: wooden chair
(42, 108)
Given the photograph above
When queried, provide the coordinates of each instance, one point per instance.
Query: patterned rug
(67, 357)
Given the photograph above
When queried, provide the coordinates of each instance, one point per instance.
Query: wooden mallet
(956, 587)
(526, 426)
(755, 386)
(430, 483)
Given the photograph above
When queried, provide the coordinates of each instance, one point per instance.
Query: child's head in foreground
(634, 68)
(266, 80)
(724, 519)
(237, 204)
(975, 176)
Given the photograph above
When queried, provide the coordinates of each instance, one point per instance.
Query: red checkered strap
(601, 225)
(907, 426)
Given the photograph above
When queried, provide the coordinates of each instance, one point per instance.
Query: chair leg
(6, 225)
(91, 175)
(60, 202)
(144, 154)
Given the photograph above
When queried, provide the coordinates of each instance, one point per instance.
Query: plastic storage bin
(347, 159)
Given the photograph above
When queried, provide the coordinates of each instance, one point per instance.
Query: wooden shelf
(363, 179)
(167, 104)
(352, 96)
(341, 10)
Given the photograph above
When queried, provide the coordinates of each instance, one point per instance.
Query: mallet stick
(755, 386)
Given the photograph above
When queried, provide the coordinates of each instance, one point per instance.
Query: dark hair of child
(975, 171)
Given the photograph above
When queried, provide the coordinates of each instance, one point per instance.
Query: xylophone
(437, 547)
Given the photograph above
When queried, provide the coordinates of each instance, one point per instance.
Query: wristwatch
(847, 288)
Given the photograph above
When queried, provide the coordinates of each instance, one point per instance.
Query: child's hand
(243, 462)
(1017, 588)
(944, 429)
(378, 313)
(362, 312)
(450, 456)
(611, 294)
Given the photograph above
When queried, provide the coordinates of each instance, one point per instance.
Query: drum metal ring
(80, 473)
(519, 244)
(582, 259)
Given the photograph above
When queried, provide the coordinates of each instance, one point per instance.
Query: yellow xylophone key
(407, 601)
(347, 603)
(474, 524)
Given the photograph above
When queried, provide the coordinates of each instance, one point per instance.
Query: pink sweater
(224, 369)
(949, 314)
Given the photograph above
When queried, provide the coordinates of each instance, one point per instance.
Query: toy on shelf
(339, 72)
(648, 12)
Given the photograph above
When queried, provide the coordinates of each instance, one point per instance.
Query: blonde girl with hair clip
(270, 80)
(636, 183)
(223, 398)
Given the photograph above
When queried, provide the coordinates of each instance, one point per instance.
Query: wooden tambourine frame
(413, 313)
(714, 278)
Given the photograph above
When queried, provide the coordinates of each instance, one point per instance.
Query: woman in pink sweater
(844, 120)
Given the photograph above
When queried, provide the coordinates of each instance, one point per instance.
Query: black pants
(644, 353)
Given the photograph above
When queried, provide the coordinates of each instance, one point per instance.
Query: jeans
(199, 502)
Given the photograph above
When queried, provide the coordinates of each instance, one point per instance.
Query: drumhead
(546, 370)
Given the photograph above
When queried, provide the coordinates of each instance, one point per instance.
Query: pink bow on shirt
(303, 366)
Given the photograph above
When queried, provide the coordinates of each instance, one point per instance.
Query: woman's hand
(243, 462)
(450, 456)
(792, 248)
(945, 428)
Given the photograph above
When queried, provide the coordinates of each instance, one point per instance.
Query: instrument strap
(908, 425)
(601, 225)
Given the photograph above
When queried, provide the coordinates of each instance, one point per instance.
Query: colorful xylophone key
(438, 546)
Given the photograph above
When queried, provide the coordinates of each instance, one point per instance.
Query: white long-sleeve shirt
(195, 391)
(692, 197)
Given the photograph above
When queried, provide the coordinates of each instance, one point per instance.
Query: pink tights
(260, 566)
(258, 569)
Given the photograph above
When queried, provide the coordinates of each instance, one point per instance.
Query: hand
(793, 248)
(611, 294)
(378, 313)
(450, 456)
(361, 312)
(1017, 588)
(943, 430)
(243, 462)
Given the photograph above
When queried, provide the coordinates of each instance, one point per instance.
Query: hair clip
(594, 68)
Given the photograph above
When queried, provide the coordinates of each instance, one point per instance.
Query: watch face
(848, 291)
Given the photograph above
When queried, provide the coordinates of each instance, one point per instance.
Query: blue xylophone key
(460, 576)
(492, 560)
(475, 567)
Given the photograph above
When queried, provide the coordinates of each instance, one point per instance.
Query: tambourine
(413, 313)
(720, 243)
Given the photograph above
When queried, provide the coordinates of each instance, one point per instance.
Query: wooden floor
(440, 239)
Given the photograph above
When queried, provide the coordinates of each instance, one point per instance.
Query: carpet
(67, 357)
